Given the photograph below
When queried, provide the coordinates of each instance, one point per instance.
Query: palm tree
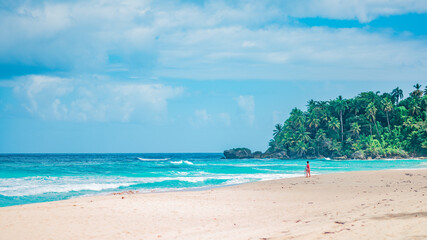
(387, 106)
(355, 107)
(333, 124)
(303, 136)
(297, 118)
(355, 129)
(396, 94)
(425, 91)
(371, 111)
(424, 104)
(367, 119)
(311, 105)
(417, 92)
(277, 130)
(320, 137)
(324, 116)
(301, 148)
(340, 107)
(414, 108)
(313, 121)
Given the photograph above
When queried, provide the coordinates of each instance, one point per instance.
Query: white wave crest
(181, 162)
(28, 186)
(40, 185)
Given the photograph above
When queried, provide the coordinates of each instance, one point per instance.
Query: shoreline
(350, 205)
(203, 188)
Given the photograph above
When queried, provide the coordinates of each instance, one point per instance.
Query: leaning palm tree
(396, 94)
(277, 130)
(371, 111)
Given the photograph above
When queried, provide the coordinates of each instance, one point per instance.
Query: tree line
(370, 125)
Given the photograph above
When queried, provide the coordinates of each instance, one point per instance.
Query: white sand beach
(389, 204)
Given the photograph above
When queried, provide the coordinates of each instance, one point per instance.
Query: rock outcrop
(276, 155)
(257, 154)
(238, 153)
(244, 153)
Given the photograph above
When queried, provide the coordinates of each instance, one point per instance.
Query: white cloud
(362, 10)
(214, 40)
(288, 53)
(202, 118)
(247, 104)
(66, 99)
(248, 44)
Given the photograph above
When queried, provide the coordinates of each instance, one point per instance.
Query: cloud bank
(211, 39)
(98, 100)
(361, 10)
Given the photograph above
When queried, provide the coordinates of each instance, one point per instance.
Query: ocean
(31, 178)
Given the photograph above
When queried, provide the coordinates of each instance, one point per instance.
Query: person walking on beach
(307, 170)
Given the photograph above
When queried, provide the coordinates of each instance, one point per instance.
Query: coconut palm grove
(370, 125)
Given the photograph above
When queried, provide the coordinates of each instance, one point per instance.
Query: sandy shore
(359, 205)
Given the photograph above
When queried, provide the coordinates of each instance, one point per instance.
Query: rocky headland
(246, 153)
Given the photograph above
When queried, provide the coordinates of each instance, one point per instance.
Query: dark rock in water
(257, 154)
(238, 153)
(278, 155)
(358, 155)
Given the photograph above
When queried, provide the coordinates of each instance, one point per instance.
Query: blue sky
(191, 76)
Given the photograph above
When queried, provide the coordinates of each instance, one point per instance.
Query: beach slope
(388, 204)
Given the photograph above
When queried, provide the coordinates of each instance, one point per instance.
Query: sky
(104, 76)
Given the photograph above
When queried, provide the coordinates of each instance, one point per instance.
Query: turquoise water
(30, 178)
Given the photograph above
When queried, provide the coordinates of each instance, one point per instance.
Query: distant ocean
(30, 178)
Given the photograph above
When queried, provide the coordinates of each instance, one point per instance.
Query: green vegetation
(371, 125)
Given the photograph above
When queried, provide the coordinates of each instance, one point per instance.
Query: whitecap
(43, 184)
